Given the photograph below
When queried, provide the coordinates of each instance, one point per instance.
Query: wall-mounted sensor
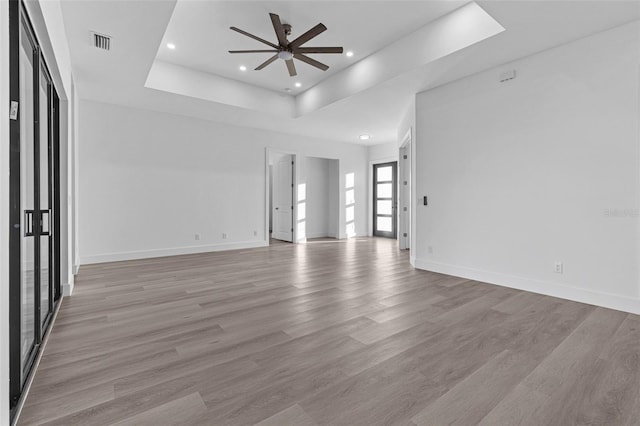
(507, 75)
(13, 113)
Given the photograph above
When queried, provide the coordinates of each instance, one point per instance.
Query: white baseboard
(321, 235)
(147, 254)
(606, 300)
(67, 289)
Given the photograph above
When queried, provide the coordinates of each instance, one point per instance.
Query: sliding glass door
(44, 171)
(27, 197)
(34, 282)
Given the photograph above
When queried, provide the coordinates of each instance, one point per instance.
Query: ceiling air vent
(100, 41)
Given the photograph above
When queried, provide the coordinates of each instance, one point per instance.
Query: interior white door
(283, 199)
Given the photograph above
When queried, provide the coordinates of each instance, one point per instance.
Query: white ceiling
(139, 28)
(200, 31)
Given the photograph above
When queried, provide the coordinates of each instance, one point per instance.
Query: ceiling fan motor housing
(285, 55)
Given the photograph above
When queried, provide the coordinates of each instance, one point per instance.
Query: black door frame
(51, 196)
(15, 213)
(19, 376)
(394, 200)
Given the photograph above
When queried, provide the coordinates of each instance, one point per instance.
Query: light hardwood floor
(327, 333)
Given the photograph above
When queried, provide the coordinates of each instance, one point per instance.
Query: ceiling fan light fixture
(365, 137)
(285, 55)
(298, 84)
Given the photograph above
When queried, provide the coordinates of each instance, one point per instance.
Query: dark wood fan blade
(279, 29)
(267, 62)
(318, 50)
(311, 61)
(291, 67)
(251, 51)
(318, 29)
(254, 37)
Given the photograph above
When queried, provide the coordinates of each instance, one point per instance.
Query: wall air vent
(100, 41)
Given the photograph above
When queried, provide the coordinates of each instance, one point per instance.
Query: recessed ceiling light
(171, 46)
(298, 84)
(349, 54)
(243, 68)
(365, 137)
(287, 90)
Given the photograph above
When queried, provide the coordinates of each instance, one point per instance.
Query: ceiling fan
(289, 50)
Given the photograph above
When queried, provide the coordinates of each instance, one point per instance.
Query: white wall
(407, 124)
(4, 214)
(383, 152)
(539, 169)
(149, 181)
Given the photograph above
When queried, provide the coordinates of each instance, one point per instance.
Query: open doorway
(318, 199)
(281, 195)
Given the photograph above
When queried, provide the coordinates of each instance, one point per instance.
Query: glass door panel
(44, 155)
(27, 198)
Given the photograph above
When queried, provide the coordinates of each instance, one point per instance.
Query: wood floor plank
(608, 387)
(293, 415)
(521, 406)
(495, 379)
(574, 355)
(333, 332)
(49, 405)
(178, 411)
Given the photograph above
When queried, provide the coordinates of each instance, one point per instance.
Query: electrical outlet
(558, 268)
(197, 237)
(224, 235)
